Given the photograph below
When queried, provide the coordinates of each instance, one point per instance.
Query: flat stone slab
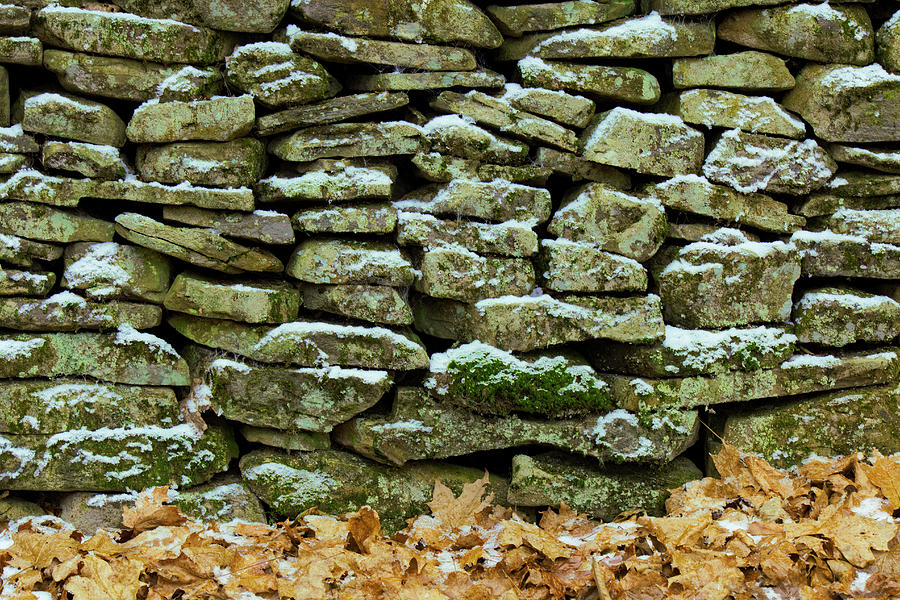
(749, 71)
(338, 182)
(219, 119)
(841, 316)
(828, 424)
(379, 217)
(829, 254)
(107, 270)
(13, 509)
(308, 343)
(877, 226)
(612, 220)
(685, 352)
(456, 136)
(823, 204)
(90, 160)
(801, 374)
(284, 398)
(66, 311)
(386, 138)
(332, 110)
(720, 108)
(566, 266)
(350, 261)
(579, 169)
(234, 164)
(697, 195)
(14, 139)
(529, 322)
(460, 274)
(302, 441)
(559, 106)
(10, 163)
(32, 406)
(879, 159)
(22, 252)
(602, 492)
(887, 44)
(655, 144)
(727, 280)
(332, 47)
(844, 103)
(432, 80)
(256, 17)
(829, 34)
(372, 303)
(115, 459)
(129, 36)
(245, 300)
(639, 37)
(261, 226)
(73, 118)
(45, 223)
(21, 51)
(201, 247)
(510, 238)
(127, 356)
(337, 482)
(14, 20)
(14, 282)
(623, 84)
(525, 18)
(493, 201)
(420, 428)
(701, 7)
(277, 77)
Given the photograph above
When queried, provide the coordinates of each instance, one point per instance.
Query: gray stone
(493, 201)
(372, 303)
(350, 261)
(302, 441)
(815, 32)
(277, 76)
(750, 162)
(218, 119)
(24, 283)
(611, 220)
(189, 84)
(451, 134)
(507, 239)
(66, 311)
(719, 108)
(437, 80)
(179, 10)
(621, 84)
(579, 169)
(333, 110)
(887, 42)
(284, 398)
(21, 51)
(864, 183)
(238, 163)
(841, 316)
(110, 270)
(244, 300)
(460, 274)
(568, 109)
(442, 168)
(73, 118)
(40, 222)
(261, 226)
(749, 71)
(879, 159)
(10, 163)
(829, 254)
(14, 20)
(419, 428)
(90, 160)
(525, 18)
(14, 139)
(699, 7)
(348, 218)
(13, 509)
(336, 182)
(260, 16)
(348, 140)
(566, 266)
(129, 36)
(602, 492)
(308, 343)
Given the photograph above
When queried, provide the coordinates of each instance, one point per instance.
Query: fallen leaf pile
(825, 530)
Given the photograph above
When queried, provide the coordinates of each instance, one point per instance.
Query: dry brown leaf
(39, 550)
(885, 474)
(363, 525)
(102, 580)
(150, 511)
(455, 512)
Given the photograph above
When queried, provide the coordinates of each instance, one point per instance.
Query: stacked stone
(394, 242)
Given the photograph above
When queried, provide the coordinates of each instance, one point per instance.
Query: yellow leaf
(149, 511)
(102, 580)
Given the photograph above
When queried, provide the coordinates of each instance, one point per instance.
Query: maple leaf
(363, 525)
(32, 549)
(455, 512)
(884, 473)
(150, 511)
(102, 580)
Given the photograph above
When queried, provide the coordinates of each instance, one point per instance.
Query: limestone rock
(816, 32)
(656, 144)
(217, 164)
(696, 195)
(333, 110)
(602, 492)
(454, 135)
(73, 118)
(879, 159)
(580, 169)
(876, 226)
(824, 204)
(699, 7)
(13, 509)
(749, 71)
(302, 441)
(829, 254)
(201, 247)
(530, 322)
(419, 428)
(260, 16)
(525, 18)
(829, 424)
(442, 168)
(348, 140)
(21, 51)
(456, 22)
(567, 266)
(23, 252)
(509, 238)
(277, 76)
(623, 84)
(348, 218)
(129, 36)
(14, 139)
(372, 303)
(338, 182)
(90, 160)
(262, 226)
(719, 108)
(218, 119)
(350, 261)
(307, 343)
(189, 84)
(127, 356)
(848, 104)
(686, 352)
(751, 162)
(24, 283)
(841, 316)
(463, 275)
(287, 399)
(40, 222)
(493, 201)
(436, 80)
(611, 220)
(640, 37)
(864, 183)
(10, 163)
(66, 311)
(728, 280)
(246, 301)
(568, 109)
(887, 43)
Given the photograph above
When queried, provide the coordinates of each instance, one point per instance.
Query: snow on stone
(802, 361)
(98, 267)
(127, 335)
(701, 349)
(75, 394)
(408, 426)
(848, 78)
(12, 349)
(220, 364)
(648, 30)
(41, 101)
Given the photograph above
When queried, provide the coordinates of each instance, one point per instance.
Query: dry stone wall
(322, 253)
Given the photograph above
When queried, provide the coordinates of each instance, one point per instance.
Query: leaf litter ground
(828, 529)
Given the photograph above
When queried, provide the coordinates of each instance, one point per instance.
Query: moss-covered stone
(602, 492)
(260, 16)
(841, 316)
(720, 108)
(110, 270)
(247, 301)
(442, 168)
(333, 181)
(864, 183)
(828, 254)
(231, 164)
(350, 261)
(14, 139)
(493, 200)
(218, 119)
(24, 283)
(507, 239)
(823, 204)
(516, 20)
(579, 169)
(73, 118)
(622, 84)
(45, 223)
(348, 140)
(10, 163)
(372, 303)
(90, 160)
(559, 106)
(887, 42)
(750, 71)
(348, 218)
(332, 110)
(567, 266)
(463, 275)
(879, 159)
(21, 51)
(15, 250)
(308, 343)
(830, 34)
(802, 374)
(14, 20)
(13, 509)
(302, 441)
(434, 80)
(699, 7)
(129, 36)
(261, 226)
(337, 482)
(875, 226)
(66, 311)
(453, 135)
